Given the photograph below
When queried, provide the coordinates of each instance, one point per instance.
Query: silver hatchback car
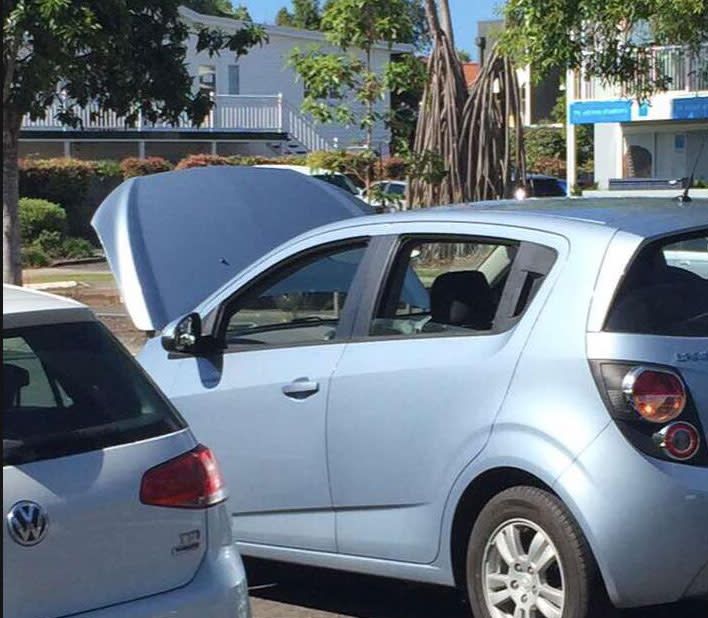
(511, 398)
(111, 506)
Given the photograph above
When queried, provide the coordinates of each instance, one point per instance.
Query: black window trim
(531, 257)
(219, 318)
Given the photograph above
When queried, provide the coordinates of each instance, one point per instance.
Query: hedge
(77, 186)
(132, 166)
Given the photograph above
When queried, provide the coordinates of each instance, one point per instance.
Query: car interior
(656, 298)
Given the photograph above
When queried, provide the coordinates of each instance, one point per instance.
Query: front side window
(665, 290)
(298, 304)
(71, 388)
(447, 286)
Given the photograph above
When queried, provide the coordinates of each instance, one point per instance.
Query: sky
(465, 14)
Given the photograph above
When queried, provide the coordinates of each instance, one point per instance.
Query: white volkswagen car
(112, 507)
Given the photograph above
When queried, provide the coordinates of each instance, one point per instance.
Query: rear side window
(458, 286)
(665, 290)
(71, 388)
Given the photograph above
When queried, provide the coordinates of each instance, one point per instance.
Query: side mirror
(183, 335)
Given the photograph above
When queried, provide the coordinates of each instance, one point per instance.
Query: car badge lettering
(187, 541)
(27, 523)
(687, 357)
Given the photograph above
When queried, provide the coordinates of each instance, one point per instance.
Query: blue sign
(591, 112)
(686, 109)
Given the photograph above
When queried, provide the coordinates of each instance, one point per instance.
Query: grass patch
(29, 277)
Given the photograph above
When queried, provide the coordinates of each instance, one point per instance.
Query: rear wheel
(527, 558)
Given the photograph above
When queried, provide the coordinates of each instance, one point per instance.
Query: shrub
(66, 182)
(34, 256)
(132, 166)
(392, 168)
(50, 243)
(548, 165)
(203, 160)
(77, 248)
(108, 168)
(37, 216)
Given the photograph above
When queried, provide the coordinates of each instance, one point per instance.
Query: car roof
(644, 217)
(22, 306)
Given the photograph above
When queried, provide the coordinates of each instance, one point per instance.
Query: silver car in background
(508, 397)
(111, 506)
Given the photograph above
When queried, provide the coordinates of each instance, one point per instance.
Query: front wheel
(527, 558)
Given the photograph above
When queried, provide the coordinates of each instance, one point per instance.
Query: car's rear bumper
(218, 590)
(646, 521)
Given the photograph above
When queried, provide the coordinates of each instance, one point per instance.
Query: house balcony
(687, 74)
(268, 117)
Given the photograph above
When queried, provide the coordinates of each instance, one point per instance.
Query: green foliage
(33, 256)
(132, 166)
(464, 55)
(306, 15)
(129, 57)
(555, 33)
(77, 248)
(220, 8)
(341, 87)
(66, 182)
(108, 168)
(37, 216)
(50, 243)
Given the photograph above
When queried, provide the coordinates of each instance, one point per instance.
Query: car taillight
(190, 481)
(678, 440)
(657, 395)
(653, 408)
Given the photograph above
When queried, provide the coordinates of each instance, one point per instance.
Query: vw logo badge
(27, 523)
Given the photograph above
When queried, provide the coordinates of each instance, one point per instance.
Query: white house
(649, 144)
(257, 109)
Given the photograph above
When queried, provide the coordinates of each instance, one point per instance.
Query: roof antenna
(684, 198)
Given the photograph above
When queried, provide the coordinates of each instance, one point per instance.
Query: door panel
(271, 447)
(261, 406)
(415, 395)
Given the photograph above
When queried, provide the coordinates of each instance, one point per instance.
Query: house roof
(227, 23)
(470, 70)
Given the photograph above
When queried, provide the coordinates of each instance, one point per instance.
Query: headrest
(462, 298)
(13, 379)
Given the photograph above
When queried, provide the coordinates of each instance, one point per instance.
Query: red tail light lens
(678, 440)
(190, 481)
(658, 396)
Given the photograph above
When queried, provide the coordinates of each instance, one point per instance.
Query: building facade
(650, 144)
(256, 110)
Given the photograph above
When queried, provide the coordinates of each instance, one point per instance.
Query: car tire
(526, 556)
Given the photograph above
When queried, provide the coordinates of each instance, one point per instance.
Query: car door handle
(301, 388)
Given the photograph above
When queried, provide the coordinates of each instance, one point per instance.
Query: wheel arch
(473, 499)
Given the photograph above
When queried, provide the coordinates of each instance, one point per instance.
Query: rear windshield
(665, 291)
(72, 388)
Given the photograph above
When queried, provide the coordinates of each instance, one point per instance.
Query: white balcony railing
(253, 113)
(685, 72)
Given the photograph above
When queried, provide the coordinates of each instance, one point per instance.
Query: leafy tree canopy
(605, 38)
(221, 8)
(306, 15)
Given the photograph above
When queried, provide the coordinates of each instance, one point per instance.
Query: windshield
(71, 388)
(665, 290)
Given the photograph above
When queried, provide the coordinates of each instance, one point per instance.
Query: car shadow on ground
(322, 592)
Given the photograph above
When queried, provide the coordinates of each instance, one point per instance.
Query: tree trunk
(369, 127)
(11, 261)
(447, 22)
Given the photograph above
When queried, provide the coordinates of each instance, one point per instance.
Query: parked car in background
(512, 399)
(689, 254)
(386, 195)
(112, 507)
(334, 178)
(541, 185)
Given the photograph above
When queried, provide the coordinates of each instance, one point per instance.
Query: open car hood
(172, 239)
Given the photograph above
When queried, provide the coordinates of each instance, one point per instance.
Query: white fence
(255, 113)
